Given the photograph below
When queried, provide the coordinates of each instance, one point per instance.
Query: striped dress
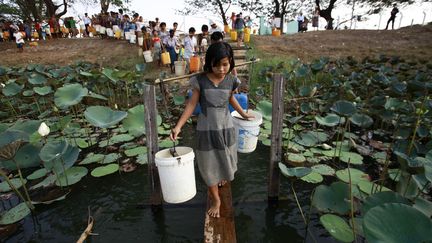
(216, 136)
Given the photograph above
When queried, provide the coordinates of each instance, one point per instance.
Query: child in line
(171, 43)
(157, 47)
(216, 136)
(19, 39)
(218, 37)
(190, 46)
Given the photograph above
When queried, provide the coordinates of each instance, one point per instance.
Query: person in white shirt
(19, 39)
(214, 28)
(190, 45)
(300, 19)
(87, 22)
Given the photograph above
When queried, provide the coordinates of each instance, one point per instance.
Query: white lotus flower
(43, 129)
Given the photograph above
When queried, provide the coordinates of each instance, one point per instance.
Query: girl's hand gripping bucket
(247, 130)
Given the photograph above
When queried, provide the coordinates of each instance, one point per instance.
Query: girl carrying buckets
(217, 139)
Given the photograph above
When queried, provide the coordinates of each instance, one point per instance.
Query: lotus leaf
(37, 79)
(380, 198)
(428, 171)
(394, 174)
(80, 142)
(423, 206)
(26, 157)
(134, 122)
(48, 181)
(69, 94)
(142, 159)
(92, 158)
(266, 142)
(396, 222)
(86, 74)
(356, 175)
(394, 104)
(337, 227)
(166, 143)
(53, 150)
(323, 170)
(72, 176)
(265, 108)
(344, 108)
(422, 183)
(352, 158)
(28, 93)
(416, 162)
(313, 177)
(16, 182)
(295, 158)
(422, 131)
(109, 158)
(37, 174)
(109, 73)
(96, 96)
(380, 157)
(103, 117)
(308, 139)
(332, 198)
(15, 214)
(306, 107)
(140, 67)
(42, 90)
(11, 89)
(330, 120)
(179, 99)
(136, 151)
(64, 161)
(361, 120)
(105, 170)
(294, 171)
(371, 188)
(163, 131)
(121, 138)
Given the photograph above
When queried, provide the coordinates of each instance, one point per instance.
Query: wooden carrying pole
(194, 74)
(276, 137)
(150, 118)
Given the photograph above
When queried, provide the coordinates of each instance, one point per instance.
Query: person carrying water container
(216, 136)
(171, 43)
(190, 46)
(392, 18)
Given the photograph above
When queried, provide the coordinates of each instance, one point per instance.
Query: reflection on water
(119, 205)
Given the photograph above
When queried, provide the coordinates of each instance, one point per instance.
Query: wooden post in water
(276, 137)
(150, 118)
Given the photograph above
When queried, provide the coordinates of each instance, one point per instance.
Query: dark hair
(163, 23)
(204, 27)
(216, 36)
(217, 52)
(120, 10)
(175, 23)
(191, 29)
(171, 31)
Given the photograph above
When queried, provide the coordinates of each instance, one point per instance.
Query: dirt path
(408, 43)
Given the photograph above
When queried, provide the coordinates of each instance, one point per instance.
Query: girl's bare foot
(222, 183)
(214, 208)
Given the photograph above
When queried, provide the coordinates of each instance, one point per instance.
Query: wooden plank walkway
(221, 229)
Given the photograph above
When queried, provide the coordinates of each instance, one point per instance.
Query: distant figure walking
(300, 20)
(392, 18)
(315, 17)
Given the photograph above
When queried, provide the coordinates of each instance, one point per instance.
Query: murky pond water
(119, 204)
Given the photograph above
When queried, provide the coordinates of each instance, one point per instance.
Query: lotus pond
(358, 159)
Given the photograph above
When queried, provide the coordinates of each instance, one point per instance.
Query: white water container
(102, 30)
(148, 56)
(180, 67)
(127, 36)
(110, 32)
(132, 39)
(140, 41)
(97, 27)
(247, 130)
(176, 174)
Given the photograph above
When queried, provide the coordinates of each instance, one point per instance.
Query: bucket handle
(246, 131)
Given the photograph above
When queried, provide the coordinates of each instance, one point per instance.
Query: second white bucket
(180, 67)
(140, 41)
(148, 56)
(247, 131)
(176, 174)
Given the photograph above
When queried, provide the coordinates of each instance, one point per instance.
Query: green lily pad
(53, 150)
(423, 206)
(142, 159)
(103, 117)
(72, 176)
(136, 151)
(266, 142)
(121, 138)
(61, 160)
(37, 79)
(381, 198)
(109, 158)
(337, 227)
(92, 158)
(371, 188)
(344, 108)
(68, 95)
(11, 89)
(396, 222)
(333, 198)
(37, 174)
(394, 174)
(42, 90)
(356, 175)
(295, 158)
(105, 170)
(361, 120)
(26, 157)
(313, 177)
(16, 182)
(15, 214)
(307, 139)
(323, 170)
(294, 171)
(28, 93)
(48, 181)
(167, 143)
(265, 108)
(330, 120)
(109, 73)
(134, 122)
(353, 158)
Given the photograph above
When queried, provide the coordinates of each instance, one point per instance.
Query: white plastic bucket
(180, 67)
(116, 28)
(148, 56)
(140, 41)
(127, 35)
(247, 130)
(176, 174)
(102, 30)
(110, 32)
(97, 27)
(132, 39)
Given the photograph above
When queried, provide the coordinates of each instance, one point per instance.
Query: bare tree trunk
(222, 12)
(51, 8)
(326, 13)
(105, 5)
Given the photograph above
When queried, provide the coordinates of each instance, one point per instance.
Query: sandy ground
(410, 42)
